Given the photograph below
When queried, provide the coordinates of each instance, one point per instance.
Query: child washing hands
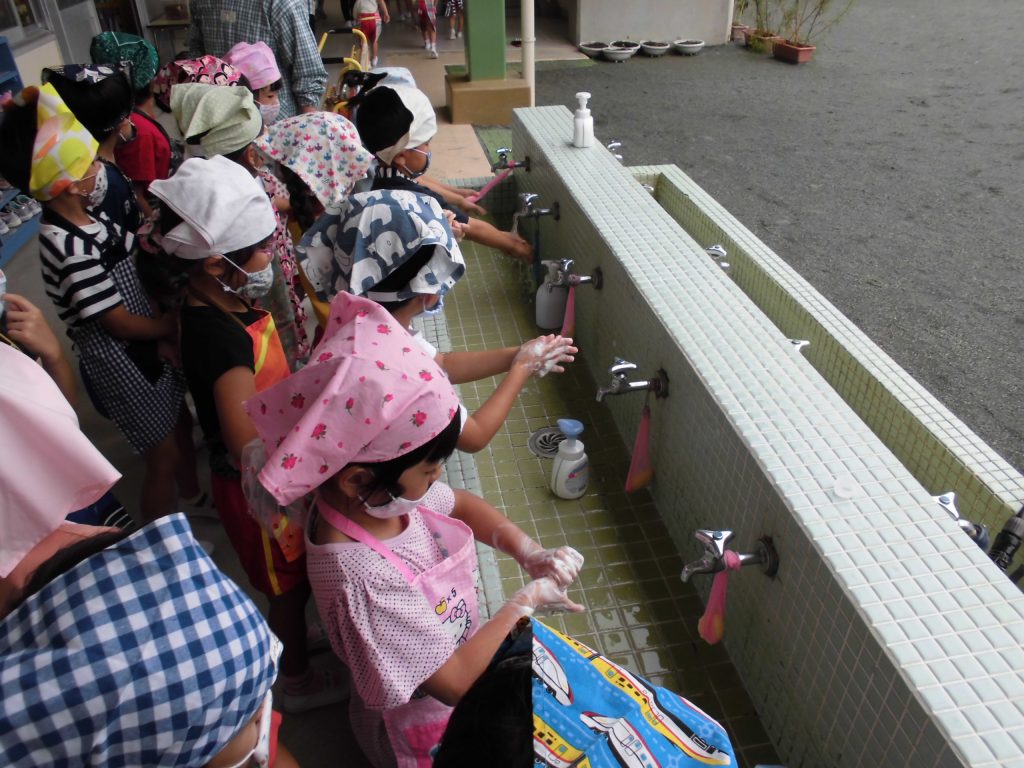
(367, 425)
(398, 249)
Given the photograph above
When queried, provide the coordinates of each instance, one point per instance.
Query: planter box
(760, 42)
(783, 50)
(739, 33)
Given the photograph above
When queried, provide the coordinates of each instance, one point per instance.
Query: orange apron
(271, 366)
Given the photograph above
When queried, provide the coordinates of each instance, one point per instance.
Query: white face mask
(99, 189)
(398, 506)
(270, 112)
(437, 309)
(256, 283)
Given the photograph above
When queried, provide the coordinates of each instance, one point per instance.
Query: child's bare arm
(233, 388)
(482, 232)
(535, 357)
(122, 324)
(382, 7)
(450, 683)
(473, 366)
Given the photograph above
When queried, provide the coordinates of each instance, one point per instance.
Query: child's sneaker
(317, 688)
(433, 52)
(451, 34)
(316, 637)
(460, 33)
(10, 218)
(4, 229)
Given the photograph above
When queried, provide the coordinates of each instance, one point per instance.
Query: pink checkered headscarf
(369, 394)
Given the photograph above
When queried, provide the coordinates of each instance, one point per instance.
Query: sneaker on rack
(4, 229)
(31, 202)
(317, 688)
(10, 218)
(22, 210)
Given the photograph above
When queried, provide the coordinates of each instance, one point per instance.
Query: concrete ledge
(484, 102)
(942, 452)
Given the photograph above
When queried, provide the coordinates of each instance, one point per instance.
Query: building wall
(669, 20)
(34, 56)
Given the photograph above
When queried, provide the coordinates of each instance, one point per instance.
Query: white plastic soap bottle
(551, 299)
(583, 125)
(569, 474)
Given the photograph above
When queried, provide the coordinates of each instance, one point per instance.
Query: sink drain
(544, 442)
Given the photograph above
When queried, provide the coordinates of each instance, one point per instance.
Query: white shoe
(373, 63)
(460, 33)
(4, 229)
(451, 34)
(426, 45)
(11, 219)
(433, 53)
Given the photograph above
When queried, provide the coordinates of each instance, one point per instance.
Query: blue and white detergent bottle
(569, 474)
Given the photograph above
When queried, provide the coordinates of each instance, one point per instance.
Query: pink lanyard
(360, 534)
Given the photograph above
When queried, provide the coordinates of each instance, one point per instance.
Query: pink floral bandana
(322, 148)
(205, 69)
(370, 393)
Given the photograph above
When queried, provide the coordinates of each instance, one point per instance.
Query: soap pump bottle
(551, 299)
(583, 125)
(569, 474)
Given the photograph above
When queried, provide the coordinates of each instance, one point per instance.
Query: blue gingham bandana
(374, 233)
(143, 654)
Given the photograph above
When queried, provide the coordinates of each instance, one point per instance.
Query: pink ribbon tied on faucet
(711, 626)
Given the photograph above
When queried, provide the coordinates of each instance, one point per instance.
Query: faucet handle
(714, 541)
(947, 501)
(565, 265)
(503, 152)
(620, 367)
(613, 145)
(526, 201)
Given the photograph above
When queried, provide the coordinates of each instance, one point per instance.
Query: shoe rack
(10, 243)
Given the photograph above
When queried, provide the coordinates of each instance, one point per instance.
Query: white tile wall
(843, 653)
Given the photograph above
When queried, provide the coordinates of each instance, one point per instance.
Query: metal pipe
(529, 35)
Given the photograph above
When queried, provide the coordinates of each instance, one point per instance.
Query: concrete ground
(886, 171)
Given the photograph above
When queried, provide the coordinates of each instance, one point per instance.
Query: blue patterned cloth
(141, 655)
(587, 710)
(372, 235)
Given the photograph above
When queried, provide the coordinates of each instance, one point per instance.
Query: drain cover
(544, 442)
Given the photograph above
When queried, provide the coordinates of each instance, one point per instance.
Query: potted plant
(739, 29)
(766, 14)
(804, 21)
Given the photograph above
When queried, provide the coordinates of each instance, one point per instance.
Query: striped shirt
(77, 282)
(218, 25)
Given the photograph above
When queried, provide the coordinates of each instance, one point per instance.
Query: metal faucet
(799, 344)
(620, 384)
(713, 559)
(504, 163)
(527, 211)
(566, 276)
(719, 254)
(614, 145)
(977, 531)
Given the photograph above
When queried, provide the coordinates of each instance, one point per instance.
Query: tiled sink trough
(887, 638)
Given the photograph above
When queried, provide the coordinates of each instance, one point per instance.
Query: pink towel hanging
(569, 322)
(640, 472)
(711, 626)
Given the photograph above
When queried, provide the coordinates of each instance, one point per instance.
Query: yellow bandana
(63, 149)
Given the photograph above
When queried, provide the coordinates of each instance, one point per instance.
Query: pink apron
(416, 727)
